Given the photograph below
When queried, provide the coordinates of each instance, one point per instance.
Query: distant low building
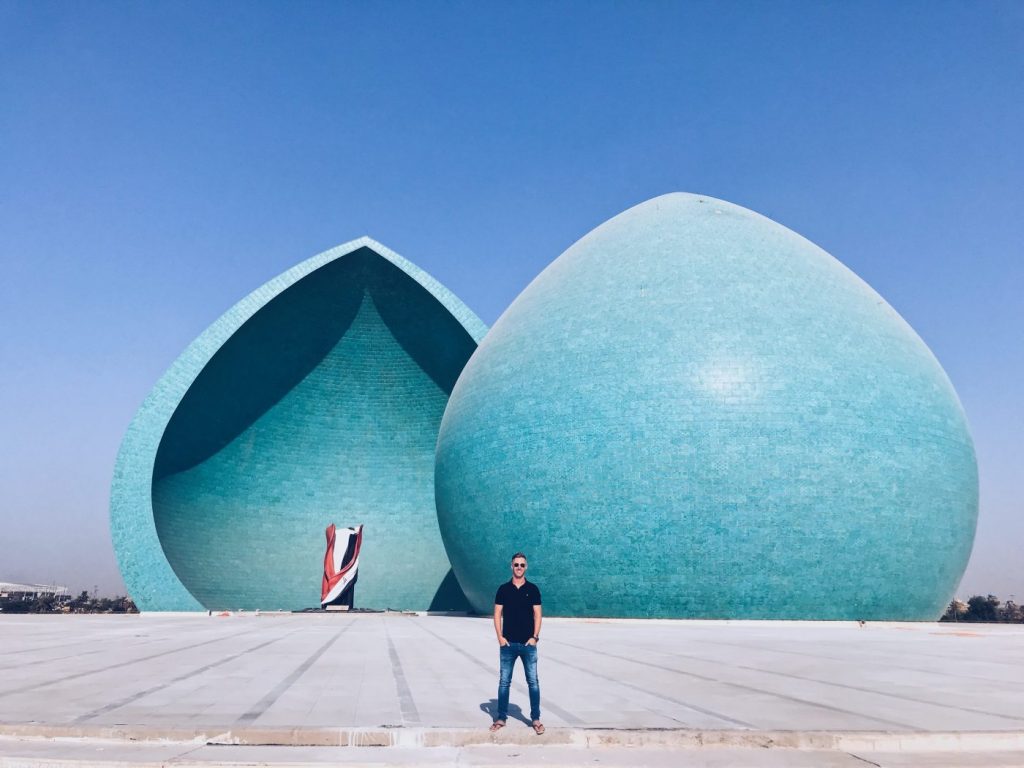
(10, 591)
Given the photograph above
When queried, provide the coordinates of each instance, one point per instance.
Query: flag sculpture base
(341, 565)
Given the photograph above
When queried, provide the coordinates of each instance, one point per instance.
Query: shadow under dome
(322, 407)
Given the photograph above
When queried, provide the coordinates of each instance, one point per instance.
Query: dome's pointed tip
(683, 197)
(685, 204)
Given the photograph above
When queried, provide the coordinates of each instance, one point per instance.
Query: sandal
(497, 725)
(538, 727)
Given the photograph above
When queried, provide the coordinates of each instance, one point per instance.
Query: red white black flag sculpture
(340, 565)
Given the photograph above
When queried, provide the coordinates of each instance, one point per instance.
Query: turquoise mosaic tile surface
(314, 400)
(695, 412)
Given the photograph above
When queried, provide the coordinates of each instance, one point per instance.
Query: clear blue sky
(160, 160)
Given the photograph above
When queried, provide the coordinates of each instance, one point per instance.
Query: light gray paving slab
(942, 760)
(396, 670)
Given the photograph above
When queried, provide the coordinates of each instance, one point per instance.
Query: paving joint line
(123, 664)
(742, 687)
(801, 654)
(864, 760)
(680, 702)
(267, 701)
(199, 670)
(406, 703)
(860, 689)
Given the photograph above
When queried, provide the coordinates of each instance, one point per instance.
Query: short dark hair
(518, 554)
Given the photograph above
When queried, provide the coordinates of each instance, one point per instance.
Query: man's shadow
(491, 708)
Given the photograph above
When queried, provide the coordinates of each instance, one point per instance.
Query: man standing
(517, 624)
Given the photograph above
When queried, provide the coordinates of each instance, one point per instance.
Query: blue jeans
(509, 654)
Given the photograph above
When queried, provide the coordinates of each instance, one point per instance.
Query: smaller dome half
(315, 400)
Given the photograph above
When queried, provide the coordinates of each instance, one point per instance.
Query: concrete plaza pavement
(314, 681)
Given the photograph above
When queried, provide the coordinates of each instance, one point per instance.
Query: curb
(583, 738)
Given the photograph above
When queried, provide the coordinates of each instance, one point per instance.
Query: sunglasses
(518, 565)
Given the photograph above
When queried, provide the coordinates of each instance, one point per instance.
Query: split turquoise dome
(315, 400)
(695, 412)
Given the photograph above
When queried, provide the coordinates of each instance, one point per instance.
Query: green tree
(983, 608)
(80, 604)
(1010, 612)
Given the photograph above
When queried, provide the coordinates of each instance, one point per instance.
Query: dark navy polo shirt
(517, 610)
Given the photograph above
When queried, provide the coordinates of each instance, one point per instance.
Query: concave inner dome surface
(323, 407)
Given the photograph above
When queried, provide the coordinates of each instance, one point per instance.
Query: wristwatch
(535, 639)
